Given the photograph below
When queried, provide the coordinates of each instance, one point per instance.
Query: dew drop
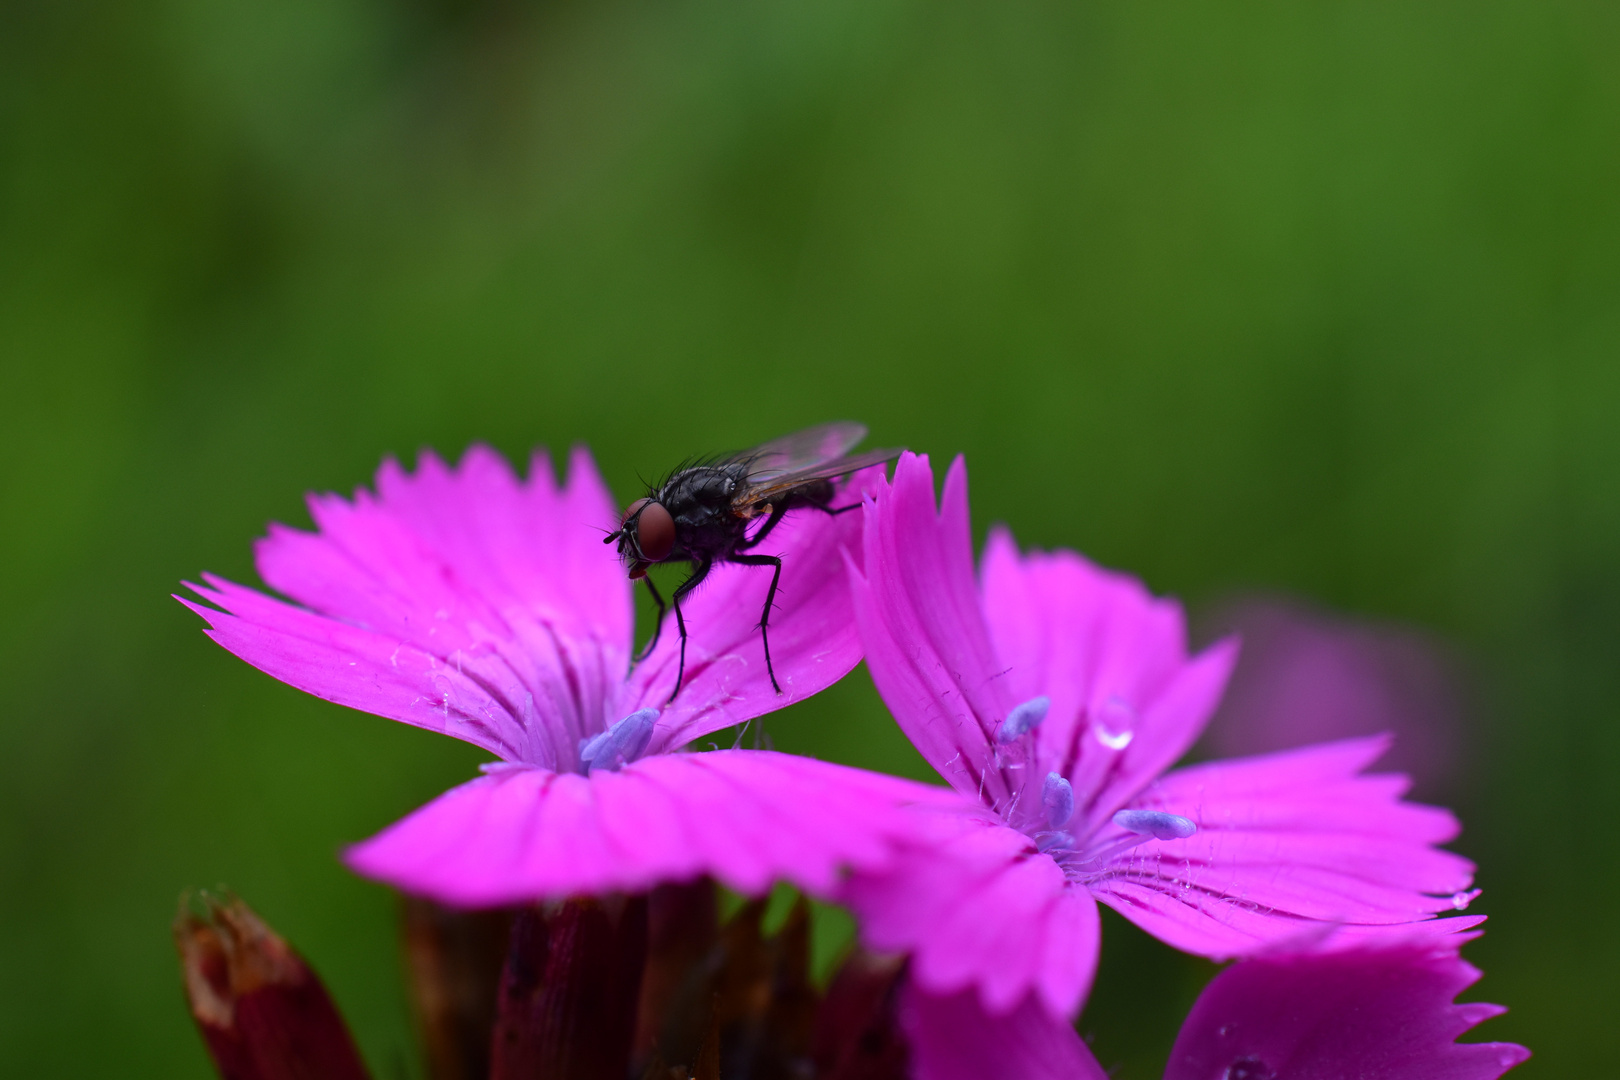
(1114, 740)
(1461, 900)
(1114, 723)
(1249, 1068)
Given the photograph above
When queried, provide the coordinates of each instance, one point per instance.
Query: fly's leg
(658, 624)
(782, 508)
(699, 572)
(770, 598)
(765, 530)
(777, 513)
(830, 511)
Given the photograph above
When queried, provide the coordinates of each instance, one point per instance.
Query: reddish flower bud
(261, 1010)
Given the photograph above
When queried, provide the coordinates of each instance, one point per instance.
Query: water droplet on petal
(1114, 740)
(1114, 723)
(1461, 900)
(1249, 1068)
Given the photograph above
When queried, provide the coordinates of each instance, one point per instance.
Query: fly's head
(645, 536)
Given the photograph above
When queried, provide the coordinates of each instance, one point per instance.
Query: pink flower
(481, 606)
(1384, 1009)
(1054, 695)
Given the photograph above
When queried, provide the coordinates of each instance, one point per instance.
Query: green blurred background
(1316, 297)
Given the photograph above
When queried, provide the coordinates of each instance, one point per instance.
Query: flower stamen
(1023, 719)
(1155, 824)
(1057, 798)
(618, 745)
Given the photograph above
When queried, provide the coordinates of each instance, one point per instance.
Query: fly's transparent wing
(765, 491)
(801, 452)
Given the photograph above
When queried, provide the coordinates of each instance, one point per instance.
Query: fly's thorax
(696, 494)
(700, 501)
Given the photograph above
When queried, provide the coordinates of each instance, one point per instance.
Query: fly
(702, 515)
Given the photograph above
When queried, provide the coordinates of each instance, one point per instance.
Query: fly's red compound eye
(655, 530)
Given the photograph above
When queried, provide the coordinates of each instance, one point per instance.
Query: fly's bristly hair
(700, 461)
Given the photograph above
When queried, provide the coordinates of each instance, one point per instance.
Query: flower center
(1140, 827)
(1050, 825)
(1057, 801)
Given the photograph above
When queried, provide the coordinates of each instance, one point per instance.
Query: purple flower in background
(472, 603)
(1309, 676)
(1054, 695)
(1383, 1009)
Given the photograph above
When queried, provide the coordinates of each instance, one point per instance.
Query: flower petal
(926, 642)
(953, 1037)
(975, 905)
(814, 641)
(745, 817)
(1385, 1012)
(1284, 841)
(460, 600)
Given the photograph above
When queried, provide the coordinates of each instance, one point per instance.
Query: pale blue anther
(1023, 719)
(620, 744)
(1057, 797)
(1155, 823)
